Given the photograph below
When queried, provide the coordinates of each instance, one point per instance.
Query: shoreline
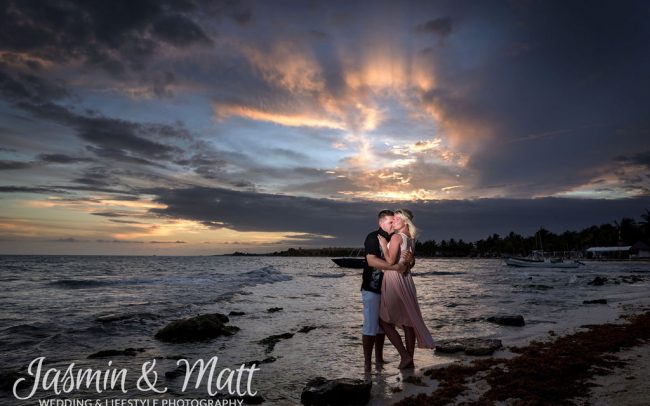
(597, 364)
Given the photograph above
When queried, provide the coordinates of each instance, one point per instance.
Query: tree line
(626, 232)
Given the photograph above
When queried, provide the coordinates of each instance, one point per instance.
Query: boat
(347, 262)
(354, 261)
(538, 260)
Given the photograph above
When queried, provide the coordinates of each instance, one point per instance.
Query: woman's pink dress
(399, 301)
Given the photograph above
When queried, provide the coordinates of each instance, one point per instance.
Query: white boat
(538, 260)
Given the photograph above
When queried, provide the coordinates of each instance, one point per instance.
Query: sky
(207, 127)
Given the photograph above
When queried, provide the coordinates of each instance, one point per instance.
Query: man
(373, 335)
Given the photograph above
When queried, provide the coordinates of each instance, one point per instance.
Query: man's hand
(408, 258)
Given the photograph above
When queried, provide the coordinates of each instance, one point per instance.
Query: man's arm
(408, 258)
(379, 263)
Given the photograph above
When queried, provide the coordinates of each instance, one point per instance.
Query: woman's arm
(391, 254)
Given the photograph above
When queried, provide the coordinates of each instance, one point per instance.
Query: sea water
(65, 308)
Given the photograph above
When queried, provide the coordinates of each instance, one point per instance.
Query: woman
(399, 303)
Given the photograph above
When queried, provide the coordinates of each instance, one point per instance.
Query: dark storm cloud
(242, 17)
(117, 140)
(110, 214)
(347, 221)
(28, 88)
(125, 221)
(94, 188)
(96, 176)
(113, 35)
(62, 158)
(581, 73)
(29, 189)
(120, 241)
(167, 242)
(441, 27)
(10, 165)
(179, 31)
(113, 138)
(641, 158)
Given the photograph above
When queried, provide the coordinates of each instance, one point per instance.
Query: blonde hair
(407, 216)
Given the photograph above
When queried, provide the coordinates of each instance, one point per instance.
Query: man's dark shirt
(372, 277)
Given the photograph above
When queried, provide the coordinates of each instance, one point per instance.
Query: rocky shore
(599, 364)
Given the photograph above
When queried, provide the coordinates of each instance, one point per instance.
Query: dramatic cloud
(469, 219)
(266, 124)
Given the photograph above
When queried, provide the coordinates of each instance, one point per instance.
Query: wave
(327, 275)
(38, 331)
(533, 286)
(443, 273)
(116, 317)
(267, 274)
(94, 283)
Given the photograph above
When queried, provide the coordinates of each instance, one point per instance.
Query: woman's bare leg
(409, 338)
(396, 340)
(379, 348)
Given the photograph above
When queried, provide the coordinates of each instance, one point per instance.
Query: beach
(604, 364)
(297, 318)
(605, 361)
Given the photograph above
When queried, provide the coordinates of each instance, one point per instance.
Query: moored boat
(538, 260)
(354, 263)
(524, 263)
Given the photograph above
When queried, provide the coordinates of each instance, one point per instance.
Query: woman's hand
(383, 244)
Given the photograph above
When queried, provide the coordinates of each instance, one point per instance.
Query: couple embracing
(388, 292)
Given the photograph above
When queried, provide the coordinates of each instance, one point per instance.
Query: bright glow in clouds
(378, 82)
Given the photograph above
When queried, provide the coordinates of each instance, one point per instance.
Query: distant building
(640, 250)
(609, 252)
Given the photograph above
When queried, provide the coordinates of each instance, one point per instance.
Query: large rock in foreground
(343, 391)
(470, 346)
(507, 320)
(199, 328)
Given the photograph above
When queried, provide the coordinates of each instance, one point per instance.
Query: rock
(598, 281)
(246, 399)
(112, 353)
(306, 329)
(234, 313)
(470, 346)
(252, 400)
(267, 360)
(180, 370)
(342, 391)
(539, 287)
(596, 301)
(631, 278)
(199, 328)
(270, 341)
(415, 380)
(274, 309)
(507, 320)
(8, 378)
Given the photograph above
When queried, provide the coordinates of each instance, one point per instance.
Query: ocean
(65, 308)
